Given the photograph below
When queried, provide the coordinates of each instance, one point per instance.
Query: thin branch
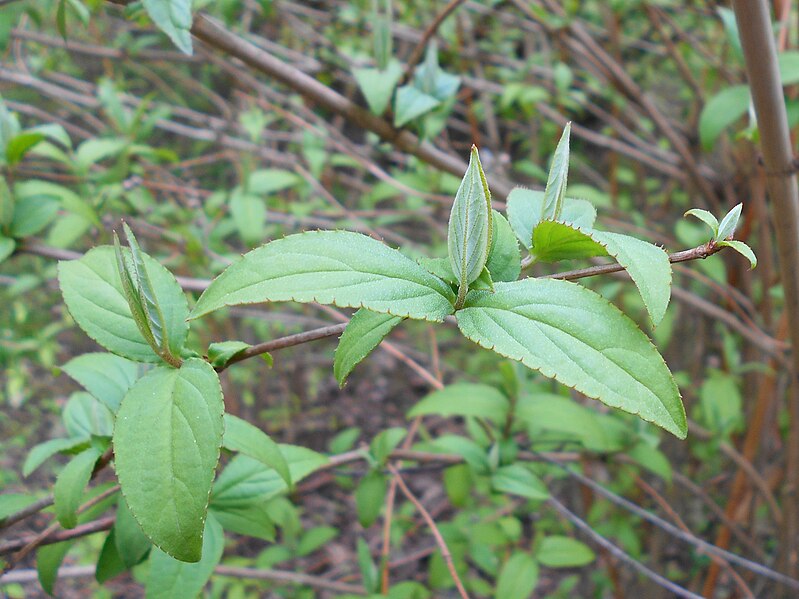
(28, 511)
(620, 554)
(81, 530)
(442, 544)
(287, 341)
(689, 538)
(427, 34)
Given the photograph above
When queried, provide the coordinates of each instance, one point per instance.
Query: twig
(429, 32)
(287, 341)
(81, 530)
(619, 553)
(442, 544)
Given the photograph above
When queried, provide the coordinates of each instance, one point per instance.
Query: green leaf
(169, 336)
(44, 451)
(788, 63)
(707, 218)
(315, 538)
(377, 85)
(440, 267)
(173, 579)
(411, 103)
(269, 180)
(363, 334)
(430, 79)
(729, 223)
(504, 260)
(721, 111)
(219, 354)
(563, 552)
(61, 19)
(6, 203)
(249, 215)
(106, 376)
(330, 267)
(48, 559)
(465, 399)
(385, 442)
(10, 503)
(518, 577)
(93, 151)
(85, 416)
(250, 519)
(166, 445)
(19, 145)
(370, 496)
(32, 213)
(525, 207)
(109, 563)
(132, 544)
(69, 486)
(243, 437)
(741, 248)
(555, 190)
(7, 246)
(578, 212)
(572, 334)
(518, 480)
(93, 293)
(173, 17)
(648, 266)
(470, 226)
(369, 573)
(554, 241)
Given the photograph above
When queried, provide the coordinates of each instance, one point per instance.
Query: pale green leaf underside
(524, 213)
(93, 293)
(741, 248)
(106, 376)
(504, 260)
(469, 235)
(166, 446)
(647, 264)
(378, 85)
(331, 267)
(729, 223)
(707, 218)
(173, 17)
(363, 334)
(556, 181)
(570, 333)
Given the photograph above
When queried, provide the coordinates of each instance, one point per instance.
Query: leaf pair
(724, 230)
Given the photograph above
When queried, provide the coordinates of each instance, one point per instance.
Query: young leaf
(572, 334)
(729, 223)
(47, 449)
(250, 518)
(464, 399)
(369, 497)
(504, 260)
(410, 103)
(470, 226)
(173, 579)
(369, 572)
(558, 551)
(69, 486)
(109, 563)
(647, 264)
(518, 577)
(93, 292)
(166, 445)
(363, 334)
(106, 376)
(173, 17)
(741, 248)
(330, 267)
(556, 182)
(721, 111)
(219, 354)
(243, 437)
(707, 218)
(377, 85)
(7, 247)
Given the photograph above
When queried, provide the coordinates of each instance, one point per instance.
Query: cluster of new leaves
(159, 404)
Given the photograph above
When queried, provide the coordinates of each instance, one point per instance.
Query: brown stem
(428, 33)
(288, 341)
(442, 544)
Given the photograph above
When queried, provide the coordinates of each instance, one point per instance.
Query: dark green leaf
(370, 496)
(518, 577)
(721, 111)
(32, 213)
(363, 334)
(563, 552)
(219, 354)
(518, 480)
(109, 563)
(132, 543)
(69, 486)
